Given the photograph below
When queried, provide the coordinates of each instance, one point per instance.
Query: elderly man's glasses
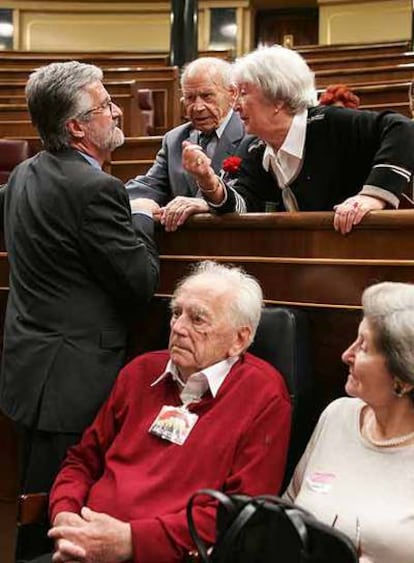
(106, 107)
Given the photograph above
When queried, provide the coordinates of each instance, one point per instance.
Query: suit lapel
(228, 142)
(226, 146)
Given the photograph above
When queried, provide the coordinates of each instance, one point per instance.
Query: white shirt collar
(287, 161)
(215, 374)
(294, 143)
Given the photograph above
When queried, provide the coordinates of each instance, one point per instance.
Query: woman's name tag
(173, 424)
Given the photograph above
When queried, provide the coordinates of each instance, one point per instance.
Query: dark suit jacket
(167, 179)
(78, 263)
(344, 150)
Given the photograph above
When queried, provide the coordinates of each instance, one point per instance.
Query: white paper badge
(320, 482)
(173, 424)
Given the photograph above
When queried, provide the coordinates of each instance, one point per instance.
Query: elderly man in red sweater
(205, 413)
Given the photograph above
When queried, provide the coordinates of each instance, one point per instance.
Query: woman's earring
(398, 388)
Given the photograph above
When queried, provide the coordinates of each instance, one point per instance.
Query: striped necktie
(207, 142)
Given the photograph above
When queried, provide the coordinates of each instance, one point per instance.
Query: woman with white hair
(357, 471)
(300, 156)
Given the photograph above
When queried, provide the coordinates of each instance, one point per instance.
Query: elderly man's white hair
(245, 294)
(210, 67)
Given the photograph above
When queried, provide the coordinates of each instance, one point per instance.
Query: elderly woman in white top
(302, 157)
(357, 472)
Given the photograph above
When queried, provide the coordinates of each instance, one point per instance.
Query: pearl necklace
(390, 441)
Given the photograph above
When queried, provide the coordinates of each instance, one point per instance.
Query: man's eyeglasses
(106, 107)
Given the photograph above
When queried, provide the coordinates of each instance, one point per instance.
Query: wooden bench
(354, 51)
(17, 129)
(164, 84)
(391, 95)
(367, 61)
(398, 107)
(131, 121)
(29, 60)
(363, 75)
(110, 73)
(15, 112)
(134, 157)
(34, 59)
(381, 93)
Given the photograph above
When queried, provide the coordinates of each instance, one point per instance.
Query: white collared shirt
(287, 161)
(215, 374)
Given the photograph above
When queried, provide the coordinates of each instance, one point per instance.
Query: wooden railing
(301, 262)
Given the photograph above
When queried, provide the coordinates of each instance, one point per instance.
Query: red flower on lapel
(231, 164)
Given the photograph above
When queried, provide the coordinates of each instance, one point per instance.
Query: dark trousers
(43, 453)
(46, 558)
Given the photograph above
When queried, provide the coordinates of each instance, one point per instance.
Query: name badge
(320, 482)
(173, 424)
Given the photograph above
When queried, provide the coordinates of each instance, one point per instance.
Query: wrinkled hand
(68, 519)
(196, 162)
(353, 209)
(178, 210)
(65, 551)
(145, 204)
(99, 538)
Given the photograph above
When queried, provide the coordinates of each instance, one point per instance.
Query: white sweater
(342, 474)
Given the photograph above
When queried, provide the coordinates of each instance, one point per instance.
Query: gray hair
(389, 309)
(212, 67)
(281, 74)
(56, 93)
(245, 294)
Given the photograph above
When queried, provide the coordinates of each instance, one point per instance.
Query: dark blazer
(167, 179)
(78, 263)
(344, 150)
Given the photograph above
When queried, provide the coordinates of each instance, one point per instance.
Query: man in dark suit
(208, 98)
(79, 262)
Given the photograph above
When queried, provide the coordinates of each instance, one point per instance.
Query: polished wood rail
(300, 261)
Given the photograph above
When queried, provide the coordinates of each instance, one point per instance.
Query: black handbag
(267, 529)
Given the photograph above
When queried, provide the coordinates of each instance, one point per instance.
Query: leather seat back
(283, 339)
(12, 152)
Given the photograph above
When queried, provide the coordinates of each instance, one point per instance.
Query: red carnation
(231, 164)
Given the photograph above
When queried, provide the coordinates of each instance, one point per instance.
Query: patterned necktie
(289, 199)
(207, 142)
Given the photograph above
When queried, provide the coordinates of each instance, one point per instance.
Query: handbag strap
(222, 499)
(295, 517)
(294, 513)
(226, 540)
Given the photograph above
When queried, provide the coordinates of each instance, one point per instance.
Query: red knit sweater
(238, 445)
